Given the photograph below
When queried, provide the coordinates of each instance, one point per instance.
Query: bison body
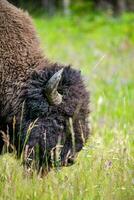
(59, 113)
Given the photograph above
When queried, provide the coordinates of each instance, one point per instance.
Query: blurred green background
(67, 6)
(96, 36)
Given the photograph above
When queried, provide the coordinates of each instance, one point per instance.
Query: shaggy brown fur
(24, 73)
(19, 47)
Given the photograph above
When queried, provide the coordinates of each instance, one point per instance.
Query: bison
(48, 101)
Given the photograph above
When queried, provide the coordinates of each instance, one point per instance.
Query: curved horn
(51, 88)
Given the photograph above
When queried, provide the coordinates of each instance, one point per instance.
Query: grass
(102, 47)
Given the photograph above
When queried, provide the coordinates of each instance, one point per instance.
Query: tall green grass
(103, 48)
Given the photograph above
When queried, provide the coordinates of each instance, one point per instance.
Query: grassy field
(103, 48)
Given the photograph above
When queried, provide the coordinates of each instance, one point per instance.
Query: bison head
(56, 104)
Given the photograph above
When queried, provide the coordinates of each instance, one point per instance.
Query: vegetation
(102, 47)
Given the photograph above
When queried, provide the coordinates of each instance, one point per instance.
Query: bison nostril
(71, 161)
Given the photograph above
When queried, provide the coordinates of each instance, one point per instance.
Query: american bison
(49, 101)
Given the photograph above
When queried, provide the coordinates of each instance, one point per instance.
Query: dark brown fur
(24, 72)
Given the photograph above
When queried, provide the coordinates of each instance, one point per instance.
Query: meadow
(101, 46)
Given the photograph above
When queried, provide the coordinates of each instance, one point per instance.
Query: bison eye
(70, 161)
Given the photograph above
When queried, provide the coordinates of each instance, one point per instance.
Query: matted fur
(24, 72)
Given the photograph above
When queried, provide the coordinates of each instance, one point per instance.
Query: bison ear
(51, 88)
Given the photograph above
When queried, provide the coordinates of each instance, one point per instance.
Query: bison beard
(51, 95)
